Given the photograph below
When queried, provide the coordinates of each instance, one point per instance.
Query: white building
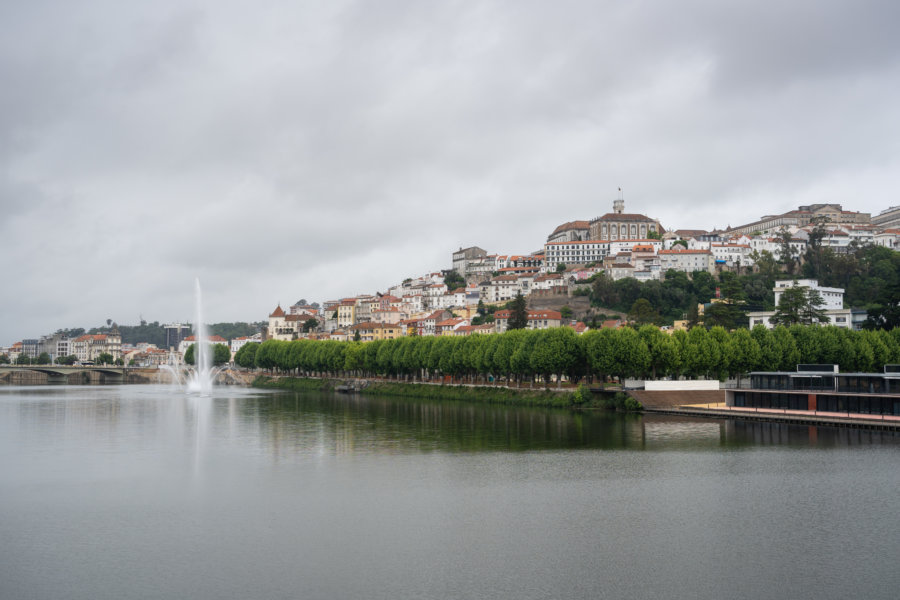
(833, 305)
(240, 342)
(574, 253)
(687, 260)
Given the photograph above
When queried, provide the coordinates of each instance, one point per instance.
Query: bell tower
(619, 203)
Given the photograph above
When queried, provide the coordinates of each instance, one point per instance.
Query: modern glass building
(822, 388)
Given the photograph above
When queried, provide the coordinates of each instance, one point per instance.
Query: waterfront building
(821, 388)
(89, 346)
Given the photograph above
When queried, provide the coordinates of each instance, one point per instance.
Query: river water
(146, 492)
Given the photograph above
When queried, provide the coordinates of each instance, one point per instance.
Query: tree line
(558, 353)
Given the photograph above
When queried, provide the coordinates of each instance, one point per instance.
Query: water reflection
(284, 424)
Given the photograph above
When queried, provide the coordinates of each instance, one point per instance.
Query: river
(143, 491)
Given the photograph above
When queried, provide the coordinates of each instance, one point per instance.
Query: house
(371, 331)
(465, 330)
(448, 326)
(537, 319)
(428, 325)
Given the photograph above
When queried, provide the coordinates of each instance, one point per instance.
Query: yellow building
(369, 332)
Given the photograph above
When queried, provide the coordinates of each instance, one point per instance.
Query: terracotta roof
(277, 312)
(571, 225)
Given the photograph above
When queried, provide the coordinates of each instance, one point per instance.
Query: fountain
(200, 377)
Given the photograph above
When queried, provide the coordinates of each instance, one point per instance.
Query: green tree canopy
(518, 316)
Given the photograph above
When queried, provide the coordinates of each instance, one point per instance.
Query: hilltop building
(619, 225)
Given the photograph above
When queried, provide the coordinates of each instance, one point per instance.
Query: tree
(814, 250)
(42, 359)
(766, 264)
(23, 360)
(189, 355)
(787, 254)
(310, 325)
(518, 316)
(356, 336)
(604, 290)
(566, 312)
(221, 354)
(799, 305)
(560, 267)
(663, 350)
(105, 358)
(71, 359)
(454, 280)
(742, 353)
(4, 359)
(554, 353)
(246, 356)
(642, 312)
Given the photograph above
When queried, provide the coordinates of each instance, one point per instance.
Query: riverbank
(580, 398)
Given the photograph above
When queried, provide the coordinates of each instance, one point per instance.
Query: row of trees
(519, 355)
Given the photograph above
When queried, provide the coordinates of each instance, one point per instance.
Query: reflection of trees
(348, 423)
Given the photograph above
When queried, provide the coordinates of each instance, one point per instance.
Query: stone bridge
(60, 373)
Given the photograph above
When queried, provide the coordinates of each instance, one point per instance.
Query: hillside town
(475, 291)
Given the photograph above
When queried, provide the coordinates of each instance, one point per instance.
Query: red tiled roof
(571, 225)
(277, 312)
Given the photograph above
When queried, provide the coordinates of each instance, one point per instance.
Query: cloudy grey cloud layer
(308, 149)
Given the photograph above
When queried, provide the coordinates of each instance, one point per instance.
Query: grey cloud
(324, 149)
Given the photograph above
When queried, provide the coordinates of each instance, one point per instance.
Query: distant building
(573, 231)
(619, 225)
(175, 332)
(537, 319)
(464, 256)
(889, 218)
(88, 347)
(833, 306)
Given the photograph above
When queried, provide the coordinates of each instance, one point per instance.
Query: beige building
(88, 347)
(619, 225)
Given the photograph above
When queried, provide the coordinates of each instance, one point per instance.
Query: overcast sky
(287, 150)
